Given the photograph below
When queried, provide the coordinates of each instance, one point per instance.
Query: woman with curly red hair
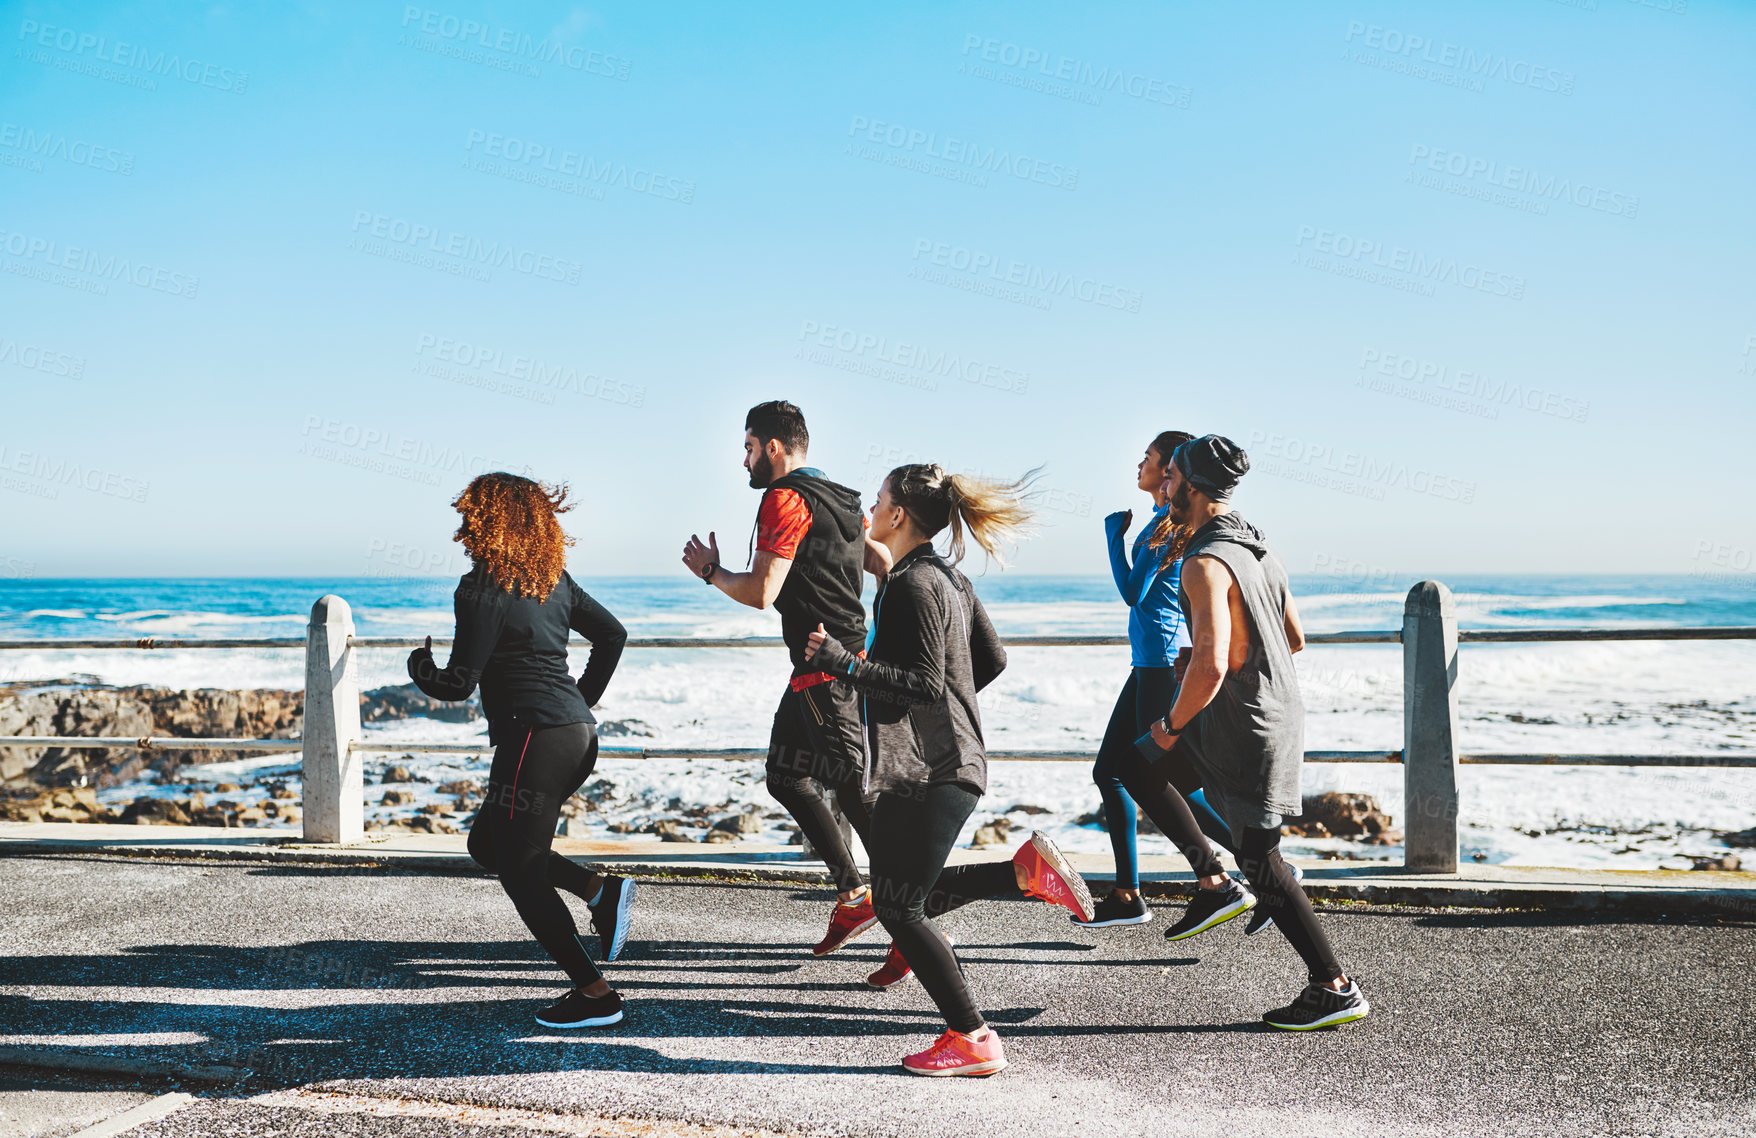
(514, 610)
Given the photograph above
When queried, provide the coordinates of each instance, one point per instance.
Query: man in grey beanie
(1239, 722)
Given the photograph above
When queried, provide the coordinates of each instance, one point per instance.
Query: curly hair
(1168, 535)
(511, 528)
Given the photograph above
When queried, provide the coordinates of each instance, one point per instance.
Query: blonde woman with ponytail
(932, 649)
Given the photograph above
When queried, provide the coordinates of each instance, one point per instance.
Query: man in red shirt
(809, 555)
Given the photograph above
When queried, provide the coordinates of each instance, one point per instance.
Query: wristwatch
(708, 571)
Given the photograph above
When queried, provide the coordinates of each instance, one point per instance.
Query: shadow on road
(413, 1024)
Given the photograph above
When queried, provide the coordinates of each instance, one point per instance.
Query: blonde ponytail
(994, 514)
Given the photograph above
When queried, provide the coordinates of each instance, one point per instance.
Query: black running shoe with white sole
(1112, 910)
(576, 1009)
(610, 915)
(1210, 907)
(1259, 918)
(1320, 1006)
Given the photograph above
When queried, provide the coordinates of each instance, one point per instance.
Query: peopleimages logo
(961, 153)
(138, 65)
(1351, 471)
(38, 358)
(1423, 58)
(88, 270)
(428, 239)
(867, 353)
(571, 166)
(1080, 77)
(482, 366)
(513, 50)
(1412, 263)
(1521, 180)
(37, 145)
(388, 452)
(971, 265)
(42, 475)
(1466, 390)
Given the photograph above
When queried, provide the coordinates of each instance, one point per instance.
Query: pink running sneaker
(894, 971)
(957, 1054)
(1048, 876)
(847, 922)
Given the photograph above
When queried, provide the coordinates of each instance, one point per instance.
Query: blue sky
(1472, 283)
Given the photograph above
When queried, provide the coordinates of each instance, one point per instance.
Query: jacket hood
(821, 494)
(1228, 527)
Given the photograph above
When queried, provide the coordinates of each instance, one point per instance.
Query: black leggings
(1160, 788)
(1280, 893)
(535, 770)
(913, 833)
(818, 745)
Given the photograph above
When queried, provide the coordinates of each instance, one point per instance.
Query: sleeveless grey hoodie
(1249, 743)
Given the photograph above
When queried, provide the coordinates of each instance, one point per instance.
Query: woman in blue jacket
(1147, 577)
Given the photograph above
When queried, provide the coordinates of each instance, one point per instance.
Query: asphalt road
(404, 987)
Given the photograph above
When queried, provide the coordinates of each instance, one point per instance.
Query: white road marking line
(148, 1111)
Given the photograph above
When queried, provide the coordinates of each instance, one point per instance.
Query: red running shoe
(894, 971)
(956, 1054)
(1049, 877)
(847, 922)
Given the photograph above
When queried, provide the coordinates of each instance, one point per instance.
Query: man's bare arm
(760, 585)
(756, 588)
(877, 558)
(1206, 581)
(1295, 627)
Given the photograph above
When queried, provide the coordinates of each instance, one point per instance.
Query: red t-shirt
(782, 523)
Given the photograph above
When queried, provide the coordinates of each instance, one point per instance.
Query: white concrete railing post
(1429, 729)
(334, 788)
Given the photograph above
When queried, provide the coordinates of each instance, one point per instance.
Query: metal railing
(332, 736)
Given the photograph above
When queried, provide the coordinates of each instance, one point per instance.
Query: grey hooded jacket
(933, 648)
(1248, 744)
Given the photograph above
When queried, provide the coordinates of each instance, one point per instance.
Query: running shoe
(1320, 1006)
(894, 971)
(957, 1054)
(850, 919)
(1210, 907)
(610, 915)
(1048, 876)
(576, 1009)
(1259, 918)
(1112, 910)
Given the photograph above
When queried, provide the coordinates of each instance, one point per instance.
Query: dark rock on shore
(1339, 815)
(738, 825)
(993, 834)
(56, 708)
(72, 804)
(79, 706)
(622, 728)
(406, 701)
(1335, 815)
(80, 804)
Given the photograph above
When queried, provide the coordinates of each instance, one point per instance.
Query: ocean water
(1681, 697)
